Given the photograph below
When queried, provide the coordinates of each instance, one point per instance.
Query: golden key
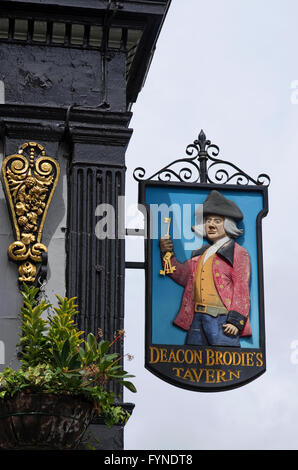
(168, 268)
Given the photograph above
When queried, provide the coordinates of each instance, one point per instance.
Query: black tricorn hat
(217, 204)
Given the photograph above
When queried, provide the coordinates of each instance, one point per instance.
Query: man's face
(214, 226)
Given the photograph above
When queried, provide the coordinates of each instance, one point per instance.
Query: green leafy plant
(56, 359)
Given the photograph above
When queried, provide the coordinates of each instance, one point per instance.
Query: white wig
(230, 227)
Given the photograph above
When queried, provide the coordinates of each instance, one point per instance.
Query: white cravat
(215, 247)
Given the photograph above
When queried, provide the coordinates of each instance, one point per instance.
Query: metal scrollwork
(202, 166)
(30, 178)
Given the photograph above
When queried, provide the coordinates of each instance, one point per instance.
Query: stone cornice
(50, 123)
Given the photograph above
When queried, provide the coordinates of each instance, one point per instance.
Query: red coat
(231, 275)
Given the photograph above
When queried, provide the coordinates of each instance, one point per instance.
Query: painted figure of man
(216, 299)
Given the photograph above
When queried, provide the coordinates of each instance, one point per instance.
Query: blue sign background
(166, 294)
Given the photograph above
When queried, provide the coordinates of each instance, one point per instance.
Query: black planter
(42, 421)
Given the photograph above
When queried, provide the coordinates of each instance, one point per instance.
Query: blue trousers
(206, 330)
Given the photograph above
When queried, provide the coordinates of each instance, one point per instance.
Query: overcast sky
(226, 67)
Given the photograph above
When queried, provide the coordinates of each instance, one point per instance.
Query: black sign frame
(215, 368)
(218, 361)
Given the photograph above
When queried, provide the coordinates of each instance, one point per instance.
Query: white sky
(227, 67)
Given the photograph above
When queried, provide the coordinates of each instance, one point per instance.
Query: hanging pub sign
(204, 271)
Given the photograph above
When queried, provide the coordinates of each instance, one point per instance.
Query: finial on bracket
(202, 166)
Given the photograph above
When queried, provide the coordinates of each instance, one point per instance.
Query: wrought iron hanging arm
(195, 169)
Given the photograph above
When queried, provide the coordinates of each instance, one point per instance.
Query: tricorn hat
(217, 204)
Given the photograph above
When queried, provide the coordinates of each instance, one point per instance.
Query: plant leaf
(104, 346)
(65, 352)
(128, 385)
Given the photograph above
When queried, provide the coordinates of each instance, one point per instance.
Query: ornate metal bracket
(30, 178)
(195, 169)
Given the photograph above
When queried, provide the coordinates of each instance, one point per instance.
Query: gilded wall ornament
(30, 178)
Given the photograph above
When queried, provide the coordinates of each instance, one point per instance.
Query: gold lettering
(229, 360)
(237, 361)
(188, 356)
(210, 376)
(243, 355)
(198, 357)
(154, 357)
(172, 356)
(188, 375)
(209, 357)
(221, 376)
(197, 377)
(250, 361)
(234, 374)
(178, 369)
(178, 354)
(259, 359)
(218, 357)
(163, 355)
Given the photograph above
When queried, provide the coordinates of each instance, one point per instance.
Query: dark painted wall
(61, 76)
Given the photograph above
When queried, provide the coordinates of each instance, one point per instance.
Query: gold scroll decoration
(30, 178)
(167, 265)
